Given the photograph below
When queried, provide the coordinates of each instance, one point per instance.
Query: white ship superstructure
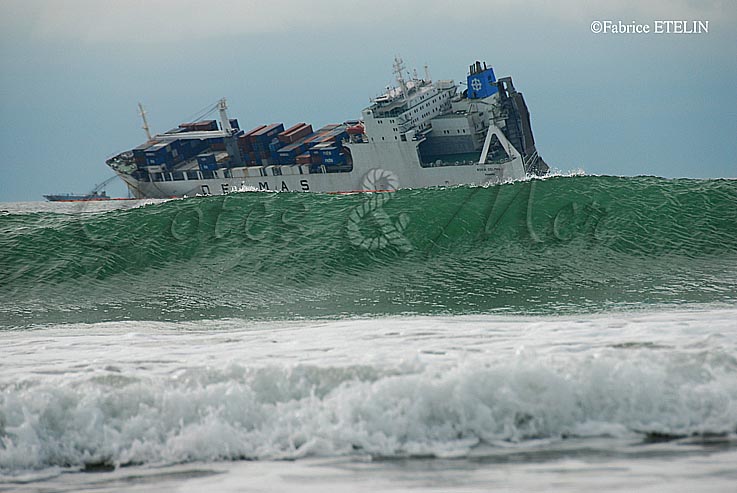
(419, 133)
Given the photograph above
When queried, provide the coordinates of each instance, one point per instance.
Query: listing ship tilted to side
(418, 134)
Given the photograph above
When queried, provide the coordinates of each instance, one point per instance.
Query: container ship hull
(418, 134)
(379, 177)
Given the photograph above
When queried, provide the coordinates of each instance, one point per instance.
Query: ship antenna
(145, 127)
(224, 120)
(427, 74)
(398, 67)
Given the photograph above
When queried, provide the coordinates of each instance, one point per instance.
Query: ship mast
(145, 127)
(398, 67)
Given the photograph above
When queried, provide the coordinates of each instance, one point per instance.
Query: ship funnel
(481, 81)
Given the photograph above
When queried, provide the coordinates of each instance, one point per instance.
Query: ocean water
(565, 334)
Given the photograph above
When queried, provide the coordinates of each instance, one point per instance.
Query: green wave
(582, 243)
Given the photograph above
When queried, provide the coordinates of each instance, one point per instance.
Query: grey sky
(73, 71)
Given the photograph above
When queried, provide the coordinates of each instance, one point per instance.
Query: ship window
(404, 138)
(382, 138)
(395, 137)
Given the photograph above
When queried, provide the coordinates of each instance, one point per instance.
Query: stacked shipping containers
(293, 134)
(261, 139)
(271, 144)
(168, 154)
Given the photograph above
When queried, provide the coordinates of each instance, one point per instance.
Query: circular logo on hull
(380, 179)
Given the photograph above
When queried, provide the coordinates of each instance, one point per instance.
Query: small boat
(77, 197)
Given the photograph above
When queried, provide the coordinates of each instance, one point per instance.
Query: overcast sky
(624, 104)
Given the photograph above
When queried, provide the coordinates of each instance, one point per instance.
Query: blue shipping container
(333, 160)
(275, 145)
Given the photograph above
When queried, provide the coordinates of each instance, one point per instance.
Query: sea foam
(530, 379)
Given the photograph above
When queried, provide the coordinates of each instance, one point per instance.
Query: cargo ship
(77, 197)
(418, 133)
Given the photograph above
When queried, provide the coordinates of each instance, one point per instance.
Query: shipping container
(188, 127)
(238, 172)
(266, 134)
(288, 154)
(333, 161)
(250, 133)
(275, 145)
(295, 133)
(244, 144)
(254, 171)
(292, 129)
(207, 161)
(317, 148)
(206, 126)
(273, 170)
(329, 151)
(305, 158)
(159, 153)
(329, 127)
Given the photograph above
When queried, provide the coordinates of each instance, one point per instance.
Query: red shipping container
(248, 135)
(304, 159)
(283, 135)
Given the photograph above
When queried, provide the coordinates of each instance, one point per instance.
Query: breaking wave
(110, 418)
(579, 243)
